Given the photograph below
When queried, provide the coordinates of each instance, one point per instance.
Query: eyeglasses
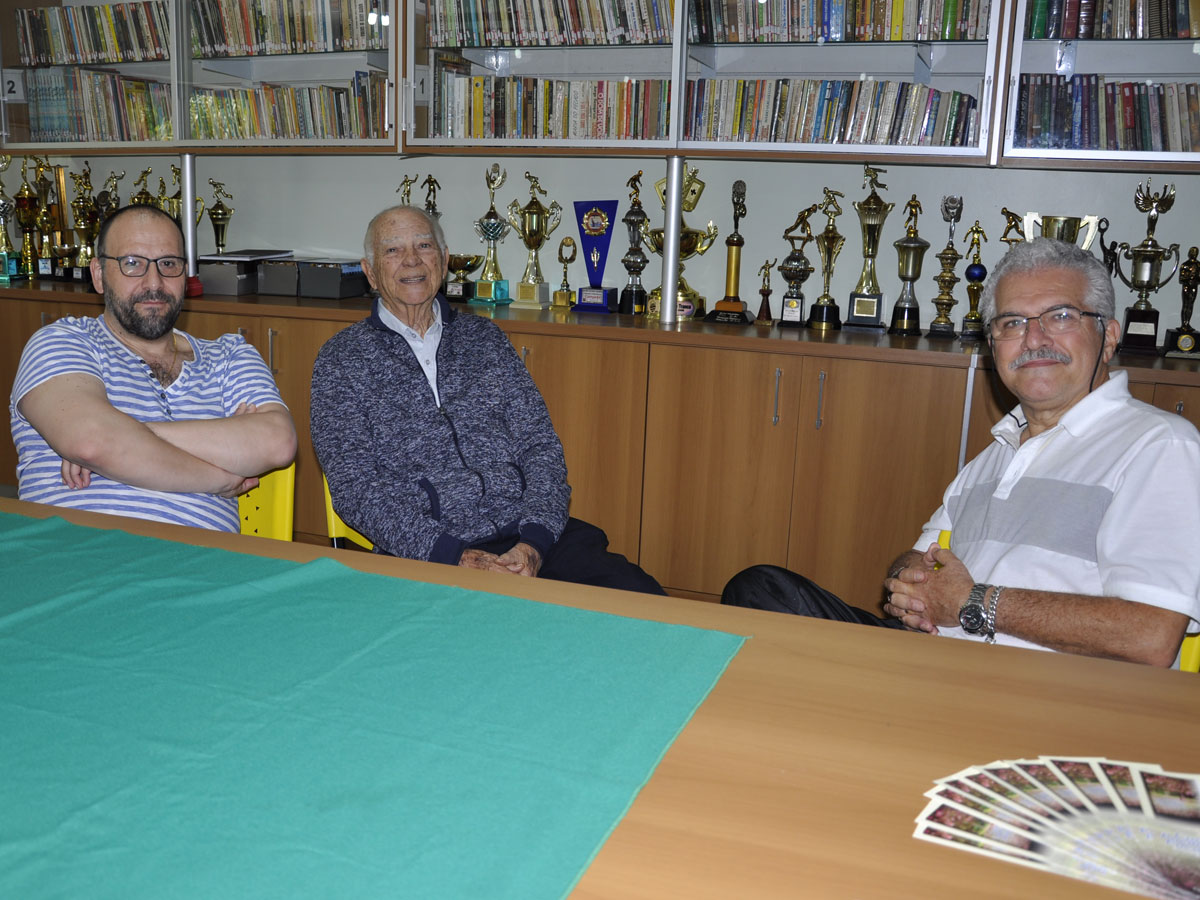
(137, 266)
(1059, 320)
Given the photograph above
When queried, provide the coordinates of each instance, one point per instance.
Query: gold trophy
(1014, 227)
(973, 324)
(1062, 228)
(764, 308)
(405, 189)
(7, 208)
(824, 315)
(108, 201)
(143, 197)
(948, 256)
(563, 296)
(1140, 334)
(462, 264)
(866, 299)
(1181, 342)
(633, 295)
(173, 205)
(692, 242)
(27, 205)
(85, 216)
(533, 223)
(491, 228)
(731, 308)
(431, 188)
(219, 213)
(795, 270)
(910, 254)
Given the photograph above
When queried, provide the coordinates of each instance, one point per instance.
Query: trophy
(108, 201)
(491, 228)
(1181, 342)
(27, 206)
(1140, 334)
(824, 315)
(594, 219)
(144, 197)
(1014, 229)
(633, 296)
(563, 296)
(1108, 249)
(431, 188)
(1062, 228)
(692, 242)
(910, 254)
(948, 256)
(867, 297)
(533, 223)
(731, 309)
(8, 253)
(219, 213)
(764, 308)
(795, 270)
(173, 205)
(972, 324)
(405, 189)
(462, 264)
(47, 228)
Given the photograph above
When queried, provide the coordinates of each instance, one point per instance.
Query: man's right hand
(481, 559)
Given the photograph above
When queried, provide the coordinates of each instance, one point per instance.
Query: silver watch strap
(993, 602)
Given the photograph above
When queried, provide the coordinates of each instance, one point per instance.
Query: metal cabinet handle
(1179, 407)
(525, 356)
(820, 396)
(271, 332)
(778, 375)
(242, 331)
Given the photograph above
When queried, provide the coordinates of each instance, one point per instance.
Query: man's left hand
(924, 597)
(521, 559)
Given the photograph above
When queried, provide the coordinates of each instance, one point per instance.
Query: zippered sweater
(424, 481)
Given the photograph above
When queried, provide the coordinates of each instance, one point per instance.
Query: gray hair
(435, 229)
(1045, 253)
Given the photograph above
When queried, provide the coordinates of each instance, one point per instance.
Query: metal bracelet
(993, 602)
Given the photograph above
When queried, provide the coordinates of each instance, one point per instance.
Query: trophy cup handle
(1032, 219)
(1092, 222)
(1173, 250)
(514, 219)
(199, 209)
(710, 235)
(555, 217)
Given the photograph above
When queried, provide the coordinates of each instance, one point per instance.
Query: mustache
(156, 294)
(1039, 353)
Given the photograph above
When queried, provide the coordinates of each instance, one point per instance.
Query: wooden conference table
(803, 771)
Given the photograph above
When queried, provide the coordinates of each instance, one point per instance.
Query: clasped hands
(923, 596)
(520, 559)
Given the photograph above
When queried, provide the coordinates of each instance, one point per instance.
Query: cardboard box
(278, 277)
(331, 279)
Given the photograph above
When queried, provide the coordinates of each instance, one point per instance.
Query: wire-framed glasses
(137, 266)
(1058, 320)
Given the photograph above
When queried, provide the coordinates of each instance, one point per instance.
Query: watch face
(971, 618)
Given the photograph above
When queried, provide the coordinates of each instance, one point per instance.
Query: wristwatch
(971, 615)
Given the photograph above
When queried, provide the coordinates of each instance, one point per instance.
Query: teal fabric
(180, 722)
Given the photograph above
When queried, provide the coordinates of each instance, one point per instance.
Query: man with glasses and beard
(123, 414)
(1075, 530)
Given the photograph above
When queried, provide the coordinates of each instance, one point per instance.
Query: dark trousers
(581, 556)
(780, 590)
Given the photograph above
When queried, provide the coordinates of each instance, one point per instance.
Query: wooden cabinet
(596, 393)
(1179, 398)
(720, 441)
(877, 445)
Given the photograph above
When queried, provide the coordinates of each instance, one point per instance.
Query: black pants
(780, 590)
(581, 556)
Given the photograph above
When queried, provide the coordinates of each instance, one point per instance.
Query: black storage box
(278, 277)
(332, 279)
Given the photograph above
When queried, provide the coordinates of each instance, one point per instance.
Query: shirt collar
(389, 319)
(1088, 413)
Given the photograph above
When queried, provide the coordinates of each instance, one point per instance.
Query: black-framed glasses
(137, 266)
(1059, 320)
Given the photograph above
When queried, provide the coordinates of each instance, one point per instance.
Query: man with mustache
(1075, 530)
(123, 414)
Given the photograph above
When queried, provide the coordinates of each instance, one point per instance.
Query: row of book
(747, 21)
(79, 35)
(263, 27)
(89, 105)
(1089, 112)
(485, 106)
(1112, 19)
(317, 112)
(829, 111)
(553, 23)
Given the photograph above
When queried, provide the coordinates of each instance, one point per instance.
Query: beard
(147, 327)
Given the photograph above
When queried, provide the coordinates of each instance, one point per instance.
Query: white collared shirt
(424, 347)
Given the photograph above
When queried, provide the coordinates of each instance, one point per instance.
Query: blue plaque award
(595, 218)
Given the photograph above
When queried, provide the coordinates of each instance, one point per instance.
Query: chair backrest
(268, 509)
(339, 531)
(1189, 653)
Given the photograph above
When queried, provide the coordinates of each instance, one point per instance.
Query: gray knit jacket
(424, 481)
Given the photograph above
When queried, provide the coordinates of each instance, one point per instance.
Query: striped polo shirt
(223, 374)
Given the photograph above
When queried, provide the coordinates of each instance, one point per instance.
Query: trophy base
(865, 311)
(1181, 344)
(491, 292)
(562, 299)
(729, 317)
(460, 290)
(596, 299)
(824, 317)
(792, 314)
(972, 331)
(45, 269)
(532, 296)
(632, 302)
(1140, 334)
(906, 321)
(9, 266)
(941, 330)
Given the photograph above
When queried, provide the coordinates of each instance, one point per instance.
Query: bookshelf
(244, 73)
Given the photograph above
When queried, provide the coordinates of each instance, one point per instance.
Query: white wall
(321, 204)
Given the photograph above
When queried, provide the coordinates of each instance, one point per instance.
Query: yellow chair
(268, 509)
(1189, 653)
(339, 531)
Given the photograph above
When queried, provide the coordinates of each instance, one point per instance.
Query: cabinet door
(877, 445)
(1178, 398)
(211, 326)
(596, 394)
(720, 440)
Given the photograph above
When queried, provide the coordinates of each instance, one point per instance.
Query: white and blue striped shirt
(223, 374)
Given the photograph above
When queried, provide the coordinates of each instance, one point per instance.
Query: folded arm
(251, 441)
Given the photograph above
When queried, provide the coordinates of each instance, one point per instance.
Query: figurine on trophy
(534, 223)
(633, 295)
(108, 201)
(219, 213)
(732, 309)
(692, 242)
(143, 197)
(405, 189)
(942, 325)
(431, 188)
(824, 315)
(173, 205)
(1108, 249)
(492, 228)
(972, 325)
(1014, 231)
(563, 296)
(1140, 334)
(866, 300)
(910, 255)
(764, 308)
(795, 269)
(1181, 342)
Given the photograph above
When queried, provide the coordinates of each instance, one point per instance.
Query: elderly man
(435, 440)
(124, 414)
(1075, 530)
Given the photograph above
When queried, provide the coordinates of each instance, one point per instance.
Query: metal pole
(668, 311)
(187, 162)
